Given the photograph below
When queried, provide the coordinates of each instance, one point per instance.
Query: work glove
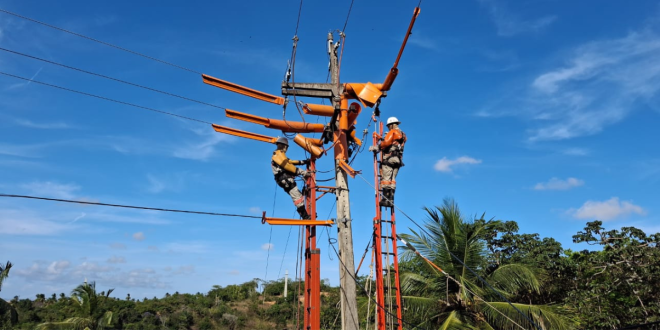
(307, 161)
(374, 148)
(303, 173)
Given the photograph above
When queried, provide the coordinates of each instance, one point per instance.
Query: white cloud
(155, 185)
(116, 260)
(24, 84)
(153, 248)
(139, 236)
(182, 270)
(202, 149)
(255, 210)
(26, 222)
(51, 189)
(576, 152)
(445, 165)
(63, 272)
(188, 247)
(54, 125)
(509, 24)
(118, 246)
(606, 210)
(268, 246)
(559, 184)
(598, 84)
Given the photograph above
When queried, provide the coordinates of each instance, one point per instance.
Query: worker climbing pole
(340, 134)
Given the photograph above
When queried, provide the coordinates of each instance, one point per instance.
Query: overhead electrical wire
(348, 16)
(99, 41)
(105, 98)
(129, 206)
(110, 78)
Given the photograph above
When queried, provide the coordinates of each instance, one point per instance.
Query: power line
(105, 98)
(129, 206)
(99, 41)
(461, 262)
(348, 16)
(298, 22)
(110, 78)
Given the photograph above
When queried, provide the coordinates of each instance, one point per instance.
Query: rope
(460, 261)
(110, 78)
(99, 41)
(129, 206)
(106, 98)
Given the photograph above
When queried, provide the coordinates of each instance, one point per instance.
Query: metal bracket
(349, 170)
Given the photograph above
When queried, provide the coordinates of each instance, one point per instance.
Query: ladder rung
(392, 253)
(386, 237)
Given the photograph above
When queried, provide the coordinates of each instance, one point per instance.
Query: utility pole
(349, 312)
(286, 281)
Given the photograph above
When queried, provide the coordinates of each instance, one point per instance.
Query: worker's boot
(385, 199)
(302, 211)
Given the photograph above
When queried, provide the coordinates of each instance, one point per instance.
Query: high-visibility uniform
(392, 147)
(285, 172)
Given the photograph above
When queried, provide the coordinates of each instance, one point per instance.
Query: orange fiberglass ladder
(388, 288)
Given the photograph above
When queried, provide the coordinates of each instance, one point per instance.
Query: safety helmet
(393, 120)
(282, 140)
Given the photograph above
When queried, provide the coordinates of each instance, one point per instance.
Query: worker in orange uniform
(392, 148)
(285, 172)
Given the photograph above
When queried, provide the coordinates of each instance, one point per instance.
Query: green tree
(432, 298)
(91, 310)
(619, 285)
(8, 315)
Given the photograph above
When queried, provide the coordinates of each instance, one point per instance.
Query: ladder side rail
(397, 283)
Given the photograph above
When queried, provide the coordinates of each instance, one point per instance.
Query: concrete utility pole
(286, 281)
(349, 311)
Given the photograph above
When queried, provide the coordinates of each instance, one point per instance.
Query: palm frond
(453, 322)
(513, 277)
(4, 273)
(547, 317)
(6, 309)
(74, 323)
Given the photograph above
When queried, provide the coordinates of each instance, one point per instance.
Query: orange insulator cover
(319, 109)
(311, 145)
(285, 126)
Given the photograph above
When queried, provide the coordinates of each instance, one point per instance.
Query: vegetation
(614, 285)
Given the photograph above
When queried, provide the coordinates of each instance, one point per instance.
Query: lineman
(285, 173)
(392, 147)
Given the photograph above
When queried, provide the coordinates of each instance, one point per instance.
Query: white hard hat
(282, 140)
(393, 120)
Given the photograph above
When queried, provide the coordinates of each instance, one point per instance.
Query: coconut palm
(92, 314)
(431, 297)
(6, 309)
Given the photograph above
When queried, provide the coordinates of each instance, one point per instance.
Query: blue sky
(544, 112)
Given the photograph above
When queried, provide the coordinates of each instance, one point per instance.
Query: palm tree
(92, 314)
(5, 307)
(433, 298)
